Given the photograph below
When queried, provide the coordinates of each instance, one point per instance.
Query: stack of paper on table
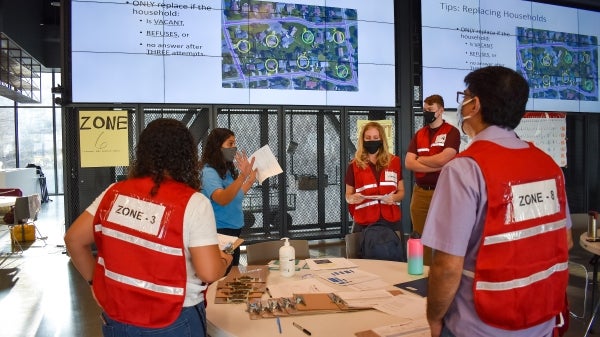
(304, 286)
(344, 277)
(274, 264)
(364, 299)
(409, 309)
(330, 263)
(408, 328)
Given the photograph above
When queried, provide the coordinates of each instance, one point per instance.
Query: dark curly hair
(211, 153)
(166, 148)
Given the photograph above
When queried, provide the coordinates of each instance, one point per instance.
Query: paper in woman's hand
(265, 163)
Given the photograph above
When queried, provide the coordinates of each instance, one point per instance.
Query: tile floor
(42, 295)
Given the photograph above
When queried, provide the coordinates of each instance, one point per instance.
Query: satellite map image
(270, 45)
(558, 65)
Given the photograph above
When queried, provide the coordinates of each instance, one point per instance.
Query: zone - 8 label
(137, 214)
(534, 200)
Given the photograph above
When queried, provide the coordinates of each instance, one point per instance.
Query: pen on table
(269, 293)
(301, 328)
(278, 324)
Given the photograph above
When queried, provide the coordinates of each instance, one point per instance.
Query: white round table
(233, 320)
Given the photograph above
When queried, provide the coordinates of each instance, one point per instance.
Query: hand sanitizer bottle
(287, 259)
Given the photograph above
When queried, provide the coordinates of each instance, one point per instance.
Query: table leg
(592, 319)
(594, 263)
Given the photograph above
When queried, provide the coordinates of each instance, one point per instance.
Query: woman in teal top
(226, 176)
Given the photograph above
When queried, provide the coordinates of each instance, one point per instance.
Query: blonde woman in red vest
(374, 185)
(156, 240)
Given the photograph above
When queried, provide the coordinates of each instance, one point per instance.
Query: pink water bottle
(415, 254)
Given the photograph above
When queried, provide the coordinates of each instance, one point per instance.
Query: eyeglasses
(460, 96)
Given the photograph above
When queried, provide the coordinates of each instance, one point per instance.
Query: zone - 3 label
(137, 214)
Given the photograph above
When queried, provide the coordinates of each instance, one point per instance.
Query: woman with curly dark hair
(227, 175)
(156, 241)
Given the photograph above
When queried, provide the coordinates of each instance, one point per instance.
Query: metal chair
(262, 252)
(579, 269)
(25, 213)
(352, 241)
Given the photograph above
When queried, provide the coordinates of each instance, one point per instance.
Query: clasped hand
(387, 199)
(355, 198)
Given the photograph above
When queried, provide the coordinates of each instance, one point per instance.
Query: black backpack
(380, 242)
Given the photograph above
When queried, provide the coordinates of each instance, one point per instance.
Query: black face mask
(372, 145)
(429, 117)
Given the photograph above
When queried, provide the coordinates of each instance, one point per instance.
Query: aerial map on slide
(558, 65)
(270, 45)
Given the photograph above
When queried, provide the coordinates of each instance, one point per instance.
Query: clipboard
(418, 286)
(228, 243)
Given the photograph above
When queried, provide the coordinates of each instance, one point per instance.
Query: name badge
(391, 176)
(440, 140)
(534, 200)
(137, 214)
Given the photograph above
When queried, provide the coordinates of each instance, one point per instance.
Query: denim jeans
(190, 323)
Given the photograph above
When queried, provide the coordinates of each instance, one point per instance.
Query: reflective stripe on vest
(366, 187)
(134, 240)
(526, 233)
(522, 282)
(157, 288)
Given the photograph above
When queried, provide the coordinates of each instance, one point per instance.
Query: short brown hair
(433, 99)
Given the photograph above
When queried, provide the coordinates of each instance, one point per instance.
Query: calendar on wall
(548, 131)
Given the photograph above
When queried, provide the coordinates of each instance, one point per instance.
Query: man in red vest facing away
(499, 223)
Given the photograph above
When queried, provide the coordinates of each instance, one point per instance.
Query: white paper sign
(534, 200)
(137, 214)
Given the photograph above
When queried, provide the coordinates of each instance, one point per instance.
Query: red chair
(11, 192)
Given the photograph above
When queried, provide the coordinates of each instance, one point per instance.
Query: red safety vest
(370, 211)
(427, 148)
(140, 275)
(521, 271)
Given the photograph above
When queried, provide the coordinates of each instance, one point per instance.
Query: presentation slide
(555, 48)
(303, 52)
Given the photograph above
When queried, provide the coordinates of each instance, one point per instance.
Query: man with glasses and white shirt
(498, 223)
(429, 150)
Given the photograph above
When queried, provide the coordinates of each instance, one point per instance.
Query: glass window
(36, 136)
(7, 137)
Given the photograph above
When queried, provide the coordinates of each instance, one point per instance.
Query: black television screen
(304, 52)
(555, 48)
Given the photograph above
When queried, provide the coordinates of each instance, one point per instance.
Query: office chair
(25, 213)
(262, 252)
(352, 241)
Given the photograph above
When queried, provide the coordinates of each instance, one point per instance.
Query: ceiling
(35, 26)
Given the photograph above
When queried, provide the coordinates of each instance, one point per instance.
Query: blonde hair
(361, 157)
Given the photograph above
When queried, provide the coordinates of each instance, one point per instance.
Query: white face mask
(460, 117)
